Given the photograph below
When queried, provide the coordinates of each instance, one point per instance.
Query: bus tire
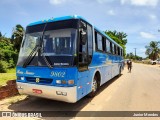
(120, 70)
(94, 87)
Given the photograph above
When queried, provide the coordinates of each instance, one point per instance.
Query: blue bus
(65, 59)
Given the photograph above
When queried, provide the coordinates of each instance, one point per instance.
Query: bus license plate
(37, 91)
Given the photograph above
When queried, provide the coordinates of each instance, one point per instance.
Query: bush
(8, 55)
(3, 66)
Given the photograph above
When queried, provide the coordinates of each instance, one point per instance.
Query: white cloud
(124, 1)
(153, 17)
(57, 2)
(147, 35)
(104, 1)
(111, 12)
(141, 2)
(142, 50)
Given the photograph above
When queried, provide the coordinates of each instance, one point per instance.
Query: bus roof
(56, 19)
(71, 17)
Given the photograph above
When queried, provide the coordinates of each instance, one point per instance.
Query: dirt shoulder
(157, 66)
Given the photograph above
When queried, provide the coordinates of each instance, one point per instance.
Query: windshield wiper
(38, 48)
(46, 61)
(31, 56)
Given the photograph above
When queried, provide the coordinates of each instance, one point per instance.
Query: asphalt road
(135, 91)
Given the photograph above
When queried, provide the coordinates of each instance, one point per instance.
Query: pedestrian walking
(129, 64)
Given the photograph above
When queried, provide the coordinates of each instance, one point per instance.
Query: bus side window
(111, 49)
(115, 49)
(96, 43)
(122, 52)
(99, 42)
(108, 44)
(104, 44)
(118, 50)
(90, 43)
(83, 47)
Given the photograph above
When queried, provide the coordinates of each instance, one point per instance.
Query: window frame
(91, 42)
(96, 41)
(109, 45)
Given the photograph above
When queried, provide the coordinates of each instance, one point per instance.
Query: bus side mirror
(83, 37)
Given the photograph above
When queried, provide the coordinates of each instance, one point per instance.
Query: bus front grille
(39, 80)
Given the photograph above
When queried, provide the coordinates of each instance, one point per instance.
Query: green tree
(130, 56)
(8, 56)
(153, 50)
(0, 34)
(17, 36)
(119, 37)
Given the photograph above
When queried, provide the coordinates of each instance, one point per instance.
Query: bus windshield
(59, 42)
(58, 45)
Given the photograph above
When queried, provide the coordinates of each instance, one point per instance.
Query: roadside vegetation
(9, 49)
(152, 52)
(119, 37)
(10, 75)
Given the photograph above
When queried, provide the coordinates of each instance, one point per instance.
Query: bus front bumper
(66, 94)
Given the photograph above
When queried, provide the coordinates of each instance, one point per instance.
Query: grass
(12, 70)
(144, 62)
(10, 75)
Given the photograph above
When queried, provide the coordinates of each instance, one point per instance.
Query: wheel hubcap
(94, 86)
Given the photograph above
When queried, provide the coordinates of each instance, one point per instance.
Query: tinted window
(99, 42)
(53, 26)
(121, 52)
(90, 43)
(104, 43)
(83, 48)
(118, 49)
(111, 47)
(115, 49)
(108, 46)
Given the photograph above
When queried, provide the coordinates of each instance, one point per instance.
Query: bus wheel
(119, 72)
(94, 88)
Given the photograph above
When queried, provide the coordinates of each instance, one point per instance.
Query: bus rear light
(70, 82)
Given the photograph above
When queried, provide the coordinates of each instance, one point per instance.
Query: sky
(139, 19)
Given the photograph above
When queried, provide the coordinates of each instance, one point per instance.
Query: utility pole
(135, 52)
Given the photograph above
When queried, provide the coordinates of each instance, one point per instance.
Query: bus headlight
(69, 82)
(58, 81)
(20, 78)
(61, 82)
